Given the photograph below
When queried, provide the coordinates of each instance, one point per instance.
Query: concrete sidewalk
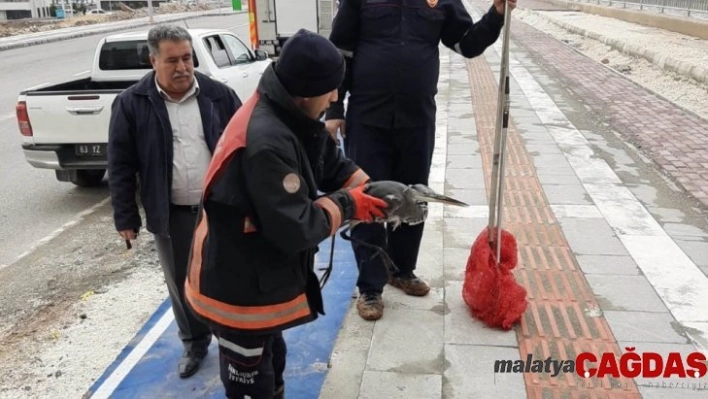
(55, 35)
(605, 269)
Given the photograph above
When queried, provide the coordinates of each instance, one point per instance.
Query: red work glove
(366, 207)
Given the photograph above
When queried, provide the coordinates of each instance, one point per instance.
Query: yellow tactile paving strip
(559, 321)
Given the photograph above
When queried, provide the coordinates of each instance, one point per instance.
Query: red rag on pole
(490, 291)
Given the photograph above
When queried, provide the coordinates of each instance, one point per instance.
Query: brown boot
(370, 305)
(410, 284)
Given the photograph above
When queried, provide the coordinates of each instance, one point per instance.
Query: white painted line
(576, 211)
(36, 86)
(7, 117)
(237, 26)
(672, 274)
(82, 73)
(680, 284)
(111, 383)
(471, 212)
(80, 216)
(436, 177)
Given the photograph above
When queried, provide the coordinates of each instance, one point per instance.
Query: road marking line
(236, 26)
(36, 86)
(112, 382)
(7, 117)
(81, 73)
(79, 217)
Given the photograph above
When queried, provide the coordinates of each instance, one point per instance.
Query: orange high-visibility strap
(195, 266)
(233, 138)
(248, 317)
(335, 214)
(356, 179)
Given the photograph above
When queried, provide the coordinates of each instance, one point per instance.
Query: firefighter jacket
(261, 218)
(393, 59)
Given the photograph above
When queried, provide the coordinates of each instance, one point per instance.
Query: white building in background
(18, 9)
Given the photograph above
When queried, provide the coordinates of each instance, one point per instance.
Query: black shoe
(191, 361)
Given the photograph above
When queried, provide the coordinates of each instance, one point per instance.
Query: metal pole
(499, 149)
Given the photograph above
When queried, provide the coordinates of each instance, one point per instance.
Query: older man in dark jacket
(164, 129)
(251, 272)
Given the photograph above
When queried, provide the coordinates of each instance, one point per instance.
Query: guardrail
(684, 6)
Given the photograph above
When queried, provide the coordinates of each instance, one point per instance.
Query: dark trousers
(251, 366)
(173, 252)
(402, 155)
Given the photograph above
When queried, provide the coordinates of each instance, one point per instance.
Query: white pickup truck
(64, 126)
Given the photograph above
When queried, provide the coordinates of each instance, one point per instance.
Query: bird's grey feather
(407, 204)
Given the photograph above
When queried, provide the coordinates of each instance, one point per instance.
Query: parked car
(98, 11)
(64, 126)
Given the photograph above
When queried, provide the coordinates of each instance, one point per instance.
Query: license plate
(90, 149)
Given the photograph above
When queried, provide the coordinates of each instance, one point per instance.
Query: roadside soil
(86, 297)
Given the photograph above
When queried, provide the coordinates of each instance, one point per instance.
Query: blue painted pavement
(154, 373)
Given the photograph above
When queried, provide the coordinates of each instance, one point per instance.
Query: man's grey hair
(163, 33)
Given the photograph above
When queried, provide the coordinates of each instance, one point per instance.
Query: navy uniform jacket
(392, 55)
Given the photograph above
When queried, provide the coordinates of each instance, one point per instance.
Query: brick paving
(675, 139)
(555, 324)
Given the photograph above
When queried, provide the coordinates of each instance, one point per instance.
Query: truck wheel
(88, 177)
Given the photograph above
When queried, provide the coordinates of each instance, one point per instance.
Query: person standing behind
(164, 129)
(251, 274)
(393, 68)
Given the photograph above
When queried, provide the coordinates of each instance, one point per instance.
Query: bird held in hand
(406, 203)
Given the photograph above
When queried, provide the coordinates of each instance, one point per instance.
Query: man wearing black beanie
(261, 218)
(392, 47)
(309, 66)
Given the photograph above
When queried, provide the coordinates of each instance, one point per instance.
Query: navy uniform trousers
(403, 155)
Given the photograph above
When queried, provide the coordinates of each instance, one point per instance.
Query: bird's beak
(444, 199)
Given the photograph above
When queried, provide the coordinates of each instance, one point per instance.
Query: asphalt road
(33, 204)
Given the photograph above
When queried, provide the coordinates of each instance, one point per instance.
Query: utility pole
(150, 11)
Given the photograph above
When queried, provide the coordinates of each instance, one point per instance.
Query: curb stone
(100, 30)
(667, 63)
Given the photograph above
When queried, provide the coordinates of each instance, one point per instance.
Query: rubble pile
(25, 26)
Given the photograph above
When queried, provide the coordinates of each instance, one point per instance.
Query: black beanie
(309, 65)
